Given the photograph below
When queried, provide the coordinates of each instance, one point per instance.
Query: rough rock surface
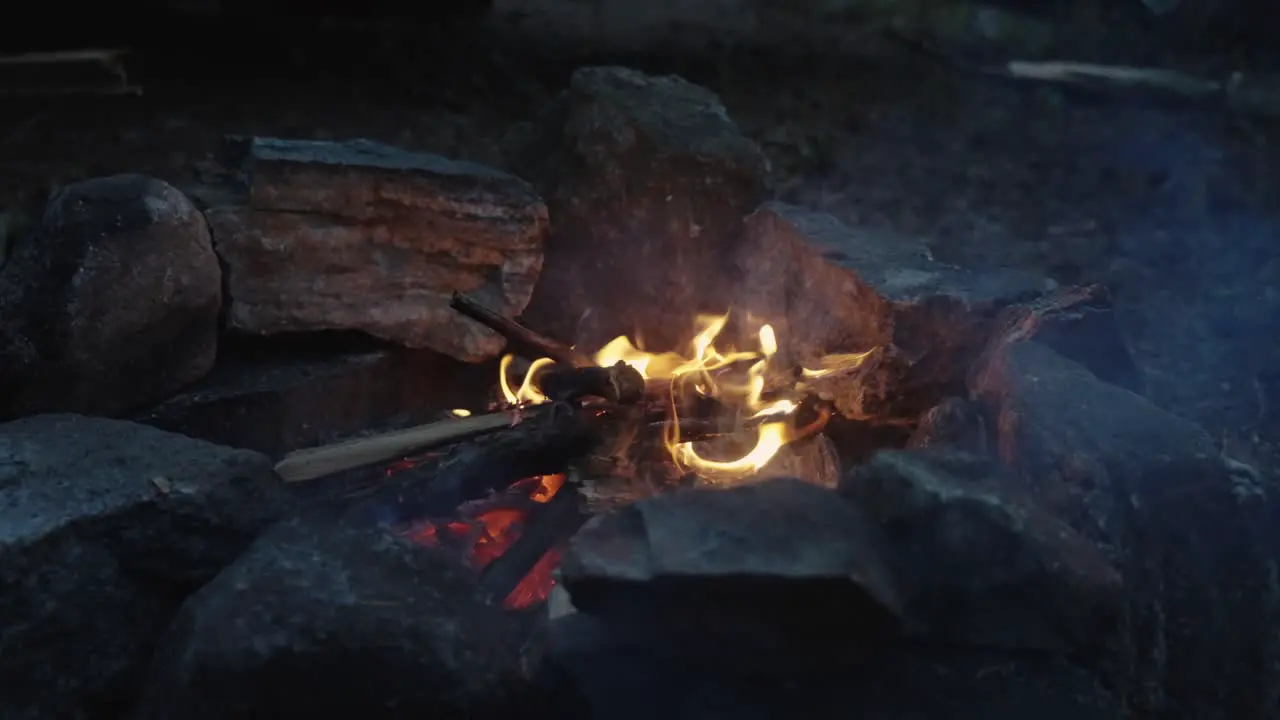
(828, 288)
(104, 526)
(1195, 541)
(363, 236)
(955, 423)
(910, 681)
(321, 618)
(648, 180)
(111, 304)
(768, 576)
(1080, 324)
(977, 563)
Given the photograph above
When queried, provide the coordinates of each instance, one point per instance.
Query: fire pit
(648, 423)
(632, 441)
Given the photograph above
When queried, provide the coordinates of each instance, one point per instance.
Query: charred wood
(620, 383)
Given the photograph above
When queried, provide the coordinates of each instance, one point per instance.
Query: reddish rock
(113, 302)
(363, 236)
(828, 288)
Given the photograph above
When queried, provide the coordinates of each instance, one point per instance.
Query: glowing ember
(710, 372)
(491, 533)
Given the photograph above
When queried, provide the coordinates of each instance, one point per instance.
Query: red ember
(491, 533)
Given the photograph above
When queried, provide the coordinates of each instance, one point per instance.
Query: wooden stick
(1114, 76)
(527, 341)
(315, 462)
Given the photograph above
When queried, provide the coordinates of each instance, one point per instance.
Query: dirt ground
(1173, 207)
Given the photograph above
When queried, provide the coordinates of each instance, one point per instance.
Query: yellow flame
(832, 364)
(669, 365)
(770, 439)
(528, 393)
(711, 372)
(461, 412)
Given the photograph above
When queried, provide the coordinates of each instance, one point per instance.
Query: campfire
(714, 415)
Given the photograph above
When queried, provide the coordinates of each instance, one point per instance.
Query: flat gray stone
(752, 576)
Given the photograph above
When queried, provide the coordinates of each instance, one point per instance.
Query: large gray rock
(1194, 539)
(111, 304)
(363, 236)
(104, 527)
(648, 180)
(325, 618)
(770, 576)
(978, 563)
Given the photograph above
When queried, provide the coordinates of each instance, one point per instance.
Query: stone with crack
(648, 180)
(978, 563)
(1153, 492)
(363, 236)
(104, 526)
(111, 303)
(322, 617)
(767, 577)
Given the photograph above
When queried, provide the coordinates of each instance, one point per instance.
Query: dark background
(1174, 205)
